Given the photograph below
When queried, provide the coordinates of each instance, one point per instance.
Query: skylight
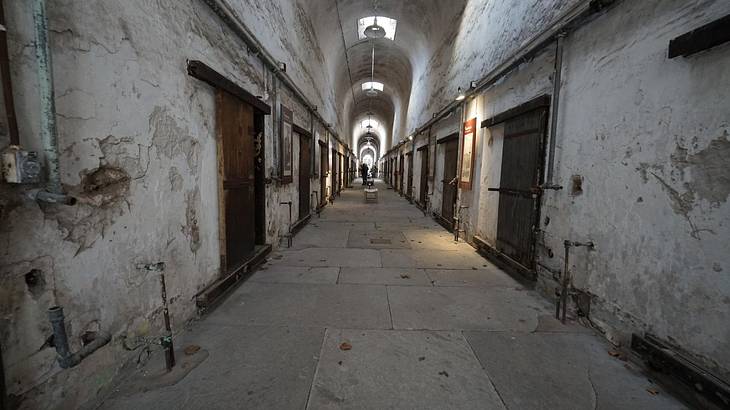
(372, 84)
(365, 123)
(388, 24)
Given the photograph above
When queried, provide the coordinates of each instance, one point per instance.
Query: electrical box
(20, 166)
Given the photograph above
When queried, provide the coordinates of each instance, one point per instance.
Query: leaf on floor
(404, 276)
(422, 358)
(444, 373)
(191, 350)
(344, 346)
(652, 391)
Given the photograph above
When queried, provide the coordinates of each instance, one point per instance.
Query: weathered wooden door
(236, 134)
(448, 203)
(424, 175)
(305, 157)
(519, 198)
(409, 189)
(323, 166)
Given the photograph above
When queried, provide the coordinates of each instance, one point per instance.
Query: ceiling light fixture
(375, 31)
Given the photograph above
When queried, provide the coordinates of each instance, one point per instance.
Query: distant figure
(374, 171)
(364, 173)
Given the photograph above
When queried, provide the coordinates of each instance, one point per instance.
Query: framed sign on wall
(468, 147)
(286, 144)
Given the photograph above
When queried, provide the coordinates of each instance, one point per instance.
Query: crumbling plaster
(137, 137)
(648, 137)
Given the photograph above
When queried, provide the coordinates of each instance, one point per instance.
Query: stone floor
(376, 307)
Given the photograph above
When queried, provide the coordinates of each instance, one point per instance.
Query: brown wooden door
(236, 133)
(323, 168)
(519, 202)
(424, 175)
(451, 148)
(409, 190)
(305, 156)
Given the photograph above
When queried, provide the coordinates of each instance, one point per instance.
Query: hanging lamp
(375, 31)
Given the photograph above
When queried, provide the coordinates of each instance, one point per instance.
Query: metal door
(236, 153)
(323, 168)
(424, 175)
(448, 203)
(519, 195)
(304, 175)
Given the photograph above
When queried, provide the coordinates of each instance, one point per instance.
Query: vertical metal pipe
(166, 341)
(49, 133)
(566, 283)
(60, 339)
(557, 78)
(7, 83)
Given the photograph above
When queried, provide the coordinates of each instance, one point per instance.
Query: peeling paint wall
(647, 137)
(138, 149)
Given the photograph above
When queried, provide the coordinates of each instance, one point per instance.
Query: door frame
(440, 218)
(304, 167)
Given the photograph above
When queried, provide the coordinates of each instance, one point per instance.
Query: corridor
(376, 307)
(183, 224)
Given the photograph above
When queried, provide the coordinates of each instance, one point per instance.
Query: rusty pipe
(562, 304)
(66, 359)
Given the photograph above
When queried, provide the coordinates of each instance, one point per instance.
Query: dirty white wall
(485, 34)
(137, 142)
(650, 138)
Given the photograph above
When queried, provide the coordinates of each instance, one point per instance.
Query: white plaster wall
(124, 101)
(649, 136)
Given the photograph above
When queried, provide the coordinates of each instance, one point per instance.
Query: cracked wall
(648, 139)
(138, 151)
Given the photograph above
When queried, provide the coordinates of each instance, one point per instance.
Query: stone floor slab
(562, 371)
(463, 308)
(400, 370)
(274, 368)
(295, 274)
(432, 259)
(484, 277)
(377, 240)
(320, 257)
(385, 276)
(344, 306)
(315, 236)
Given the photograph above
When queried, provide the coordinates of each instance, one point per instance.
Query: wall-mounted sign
(468, 147)
(285, 138)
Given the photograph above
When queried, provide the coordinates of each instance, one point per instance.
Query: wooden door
(323, 168)
(451, 151)
(305, 156)
(236, 151)
(519, 200)
(424, 175)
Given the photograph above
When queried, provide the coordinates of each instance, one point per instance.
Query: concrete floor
(431, 324)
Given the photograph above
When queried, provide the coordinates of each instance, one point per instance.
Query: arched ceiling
(421, 29)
